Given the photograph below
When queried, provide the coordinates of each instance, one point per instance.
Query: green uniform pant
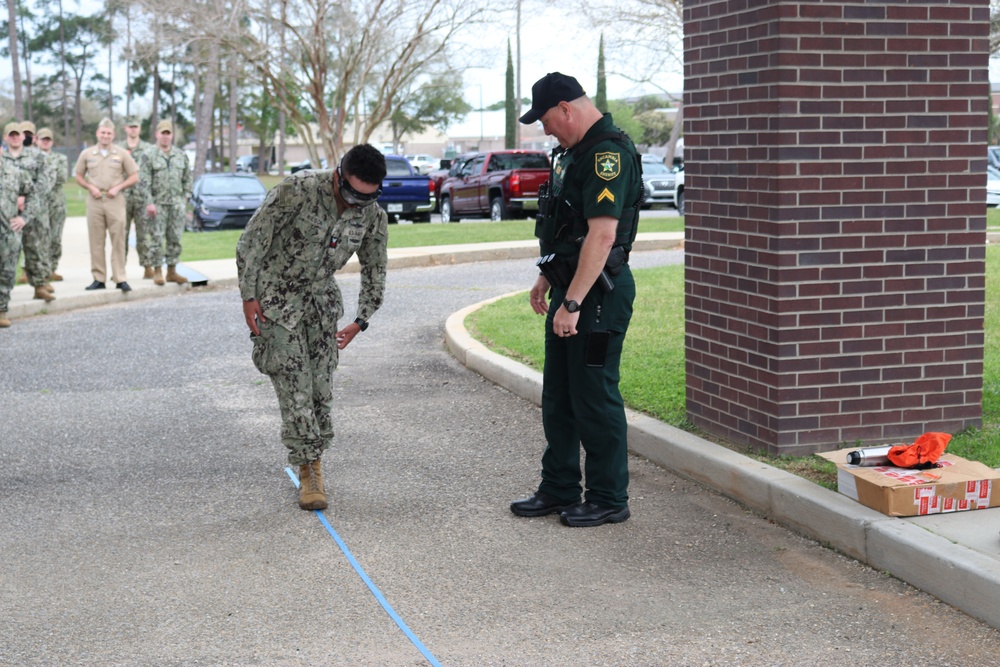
(167, 224)
(57, 221)
(135, 216)
(37, 243)
(300, 363)
(10, 250)
(582, 405)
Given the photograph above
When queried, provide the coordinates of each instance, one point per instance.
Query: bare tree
(645, 43)
(994, 27)
(234, 134)
(12, 32)
(348, 61)
(197, 30)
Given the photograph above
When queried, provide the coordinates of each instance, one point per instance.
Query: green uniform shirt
(601, 181)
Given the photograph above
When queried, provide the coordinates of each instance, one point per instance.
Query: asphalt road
(146, 517)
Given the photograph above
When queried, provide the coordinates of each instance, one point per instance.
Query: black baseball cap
(549, 91)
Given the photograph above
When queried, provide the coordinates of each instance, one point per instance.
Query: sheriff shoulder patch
(606, 194)
(608, 165)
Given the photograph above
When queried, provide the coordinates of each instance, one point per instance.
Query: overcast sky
(552, 39)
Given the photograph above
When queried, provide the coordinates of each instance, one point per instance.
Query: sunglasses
(351, 196)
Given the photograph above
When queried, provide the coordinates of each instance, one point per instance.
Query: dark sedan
(222, 201)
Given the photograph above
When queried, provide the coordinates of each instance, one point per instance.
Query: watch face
(571, 306)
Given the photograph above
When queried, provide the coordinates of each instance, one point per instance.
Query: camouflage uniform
(136, 198)
(166, 179)
(286, 259)
(35, 237)
(14, 182)
(58, 164)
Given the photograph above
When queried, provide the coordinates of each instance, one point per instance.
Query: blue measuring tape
(368, 582)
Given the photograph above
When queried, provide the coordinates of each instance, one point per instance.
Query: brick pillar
(836, 159)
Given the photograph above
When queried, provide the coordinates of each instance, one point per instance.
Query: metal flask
(870, 456)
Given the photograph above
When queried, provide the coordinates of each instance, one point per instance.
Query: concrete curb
(958, 575)
(222, 272)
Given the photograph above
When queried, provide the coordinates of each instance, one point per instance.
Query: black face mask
(28, 139)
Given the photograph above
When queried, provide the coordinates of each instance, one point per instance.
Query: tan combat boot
(158, 275)
(173, 276)
(49, 288)
(43, 294)
(4, 320)
(55, 277)
(147, 272)
(312, 496)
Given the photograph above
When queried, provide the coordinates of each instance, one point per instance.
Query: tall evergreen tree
(601, 98)
(510, 136)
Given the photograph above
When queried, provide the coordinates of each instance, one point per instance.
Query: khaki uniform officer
(166, 178)
(104, 171)
(58, 165)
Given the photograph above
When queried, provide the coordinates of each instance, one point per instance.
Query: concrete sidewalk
(955, 557)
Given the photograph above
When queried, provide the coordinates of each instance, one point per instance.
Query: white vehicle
(658, 182)
(423, 164)
(992, 186)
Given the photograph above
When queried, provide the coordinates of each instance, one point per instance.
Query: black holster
(558, 271)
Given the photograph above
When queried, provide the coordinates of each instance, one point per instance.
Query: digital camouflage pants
(37, 243)
(57, 221)
(10, 250)
(135, 215)
(300, 363)
(168, 223)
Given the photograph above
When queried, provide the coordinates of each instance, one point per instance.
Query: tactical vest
(559, 227)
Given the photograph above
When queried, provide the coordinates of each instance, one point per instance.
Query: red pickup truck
(503, 184)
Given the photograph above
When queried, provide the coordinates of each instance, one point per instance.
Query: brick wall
(835, 189)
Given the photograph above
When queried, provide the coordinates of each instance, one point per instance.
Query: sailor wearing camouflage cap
(135, 197)
(35, 239)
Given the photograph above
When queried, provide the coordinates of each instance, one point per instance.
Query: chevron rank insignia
(608, 165)
(606, 194)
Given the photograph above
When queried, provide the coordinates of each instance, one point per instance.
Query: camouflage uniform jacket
(32, 162)
(14, 182)
(137, 193)
(166, 176)
(292, 246)
(58, 166)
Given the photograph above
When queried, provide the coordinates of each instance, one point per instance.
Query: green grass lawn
(222, 244)
(653, 379)
(993, 219)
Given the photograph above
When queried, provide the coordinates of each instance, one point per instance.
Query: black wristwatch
(362, 324)
(571, 306)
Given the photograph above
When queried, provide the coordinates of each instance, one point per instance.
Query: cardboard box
(957, 486)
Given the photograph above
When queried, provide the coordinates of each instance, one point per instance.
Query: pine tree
(510, 135)
(601, 98)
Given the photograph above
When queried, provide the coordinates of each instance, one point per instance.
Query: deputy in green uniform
(586, 226)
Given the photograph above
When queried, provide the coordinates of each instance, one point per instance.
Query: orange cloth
(928, 448)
